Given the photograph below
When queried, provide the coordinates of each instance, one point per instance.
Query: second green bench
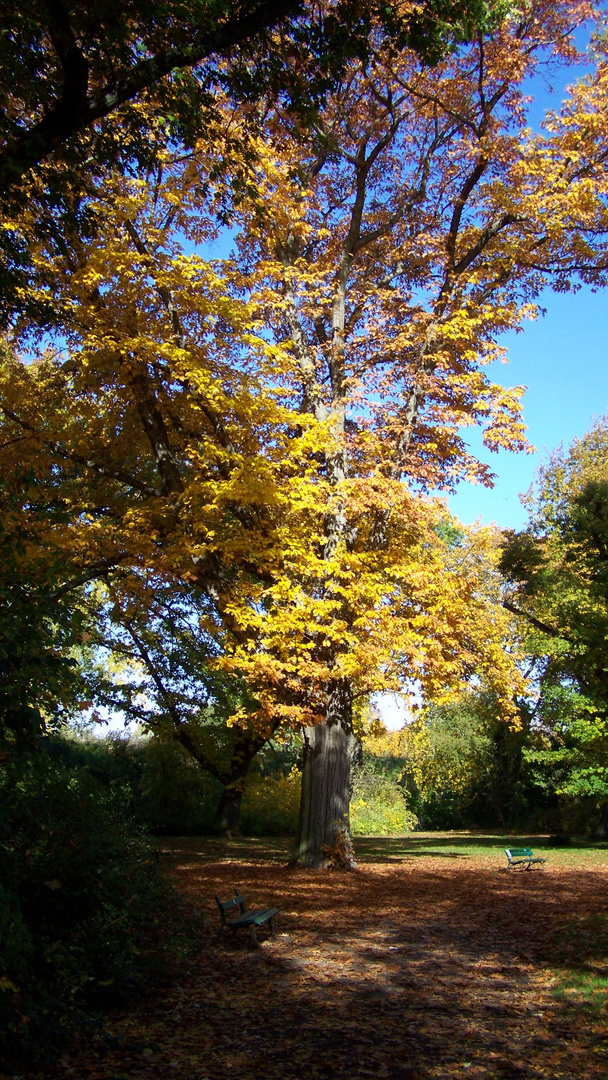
(522, 858)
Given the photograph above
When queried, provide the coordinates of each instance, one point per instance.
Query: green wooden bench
(522, 857)
(250, 919)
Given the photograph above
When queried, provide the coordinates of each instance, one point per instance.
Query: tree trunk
(228, 812)
(602, 828)
(233, 779)
(324, 827)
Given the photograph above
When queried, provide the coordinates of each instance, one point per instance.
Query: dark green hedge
(81, 899)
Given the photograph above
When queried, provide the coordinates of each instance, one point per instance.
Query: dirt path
(412, 970)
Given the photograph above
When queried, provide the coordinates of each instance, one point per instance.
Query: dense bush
(175, 796)
(81, 900)
(468, 768)
(379, 805)
(166, 789)
(171, 795)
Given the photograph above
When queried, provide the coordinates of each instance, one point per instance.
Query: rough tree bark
(227, 815)
(323, 837)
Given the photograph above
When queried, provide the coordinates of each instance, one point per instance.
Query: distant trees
(557, 575)
(468, 768)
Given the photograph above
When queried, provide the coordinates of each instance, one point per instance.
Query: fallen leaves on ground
(406, 970)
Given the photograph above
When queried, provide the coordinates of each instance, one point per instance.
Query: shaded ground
(430, 961)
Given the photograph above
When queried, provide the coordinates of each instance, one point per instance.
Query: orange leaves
(388, 267)
(260, 426)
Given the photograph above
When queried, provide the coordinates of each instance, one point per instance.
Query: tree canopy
(89, 87)
(267, 430)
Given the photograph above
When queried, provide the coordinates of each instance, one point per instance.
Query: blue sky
(562, 358)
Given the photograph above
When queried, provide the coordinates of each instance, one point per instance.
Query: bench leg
(253, 936)
(272, 933)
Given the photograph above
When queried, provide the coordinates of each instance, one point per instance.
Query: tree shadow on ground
(403, 970)
(375, 849)
(381, 848)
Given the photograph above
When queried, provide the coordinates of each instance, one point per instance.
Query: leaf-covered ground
(429, 961)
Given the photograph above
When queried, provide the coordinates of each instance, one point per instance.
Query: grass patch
(586, 990)
(456, 846)
(581, 979)
(471, 845)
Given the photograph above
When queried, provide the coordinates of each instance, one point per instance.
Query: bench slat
(257, 917)
(228, 905)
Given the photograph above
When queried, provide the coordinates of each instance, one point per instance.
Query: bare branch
(90, 573)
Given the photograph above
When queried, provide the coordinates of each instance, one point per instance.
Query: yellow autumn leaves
(265, 414)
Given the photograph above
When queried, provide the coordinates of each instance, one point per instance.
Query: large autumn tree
(169, 430)
(392, 256)
(264, 428)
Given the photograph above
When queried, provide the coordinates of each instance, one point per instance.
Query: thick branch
(79, 108)
(81, 459)
(542, 626)
(156, 431)
(484, 238)
(467, 188)
(183, 737)
(180, 734)
(90, 573)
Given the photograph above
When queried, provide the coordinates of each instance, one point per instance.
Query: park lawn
(431, 961)
(483, 847)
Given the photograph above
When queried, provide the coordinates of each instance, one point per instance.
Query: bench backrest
(227, 905)
(518, 853)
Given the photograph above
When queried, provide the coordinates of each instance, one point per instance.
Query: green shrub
(176, 796)
(167, 790)
(379, 804)
(117, 759)
(81, 899)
